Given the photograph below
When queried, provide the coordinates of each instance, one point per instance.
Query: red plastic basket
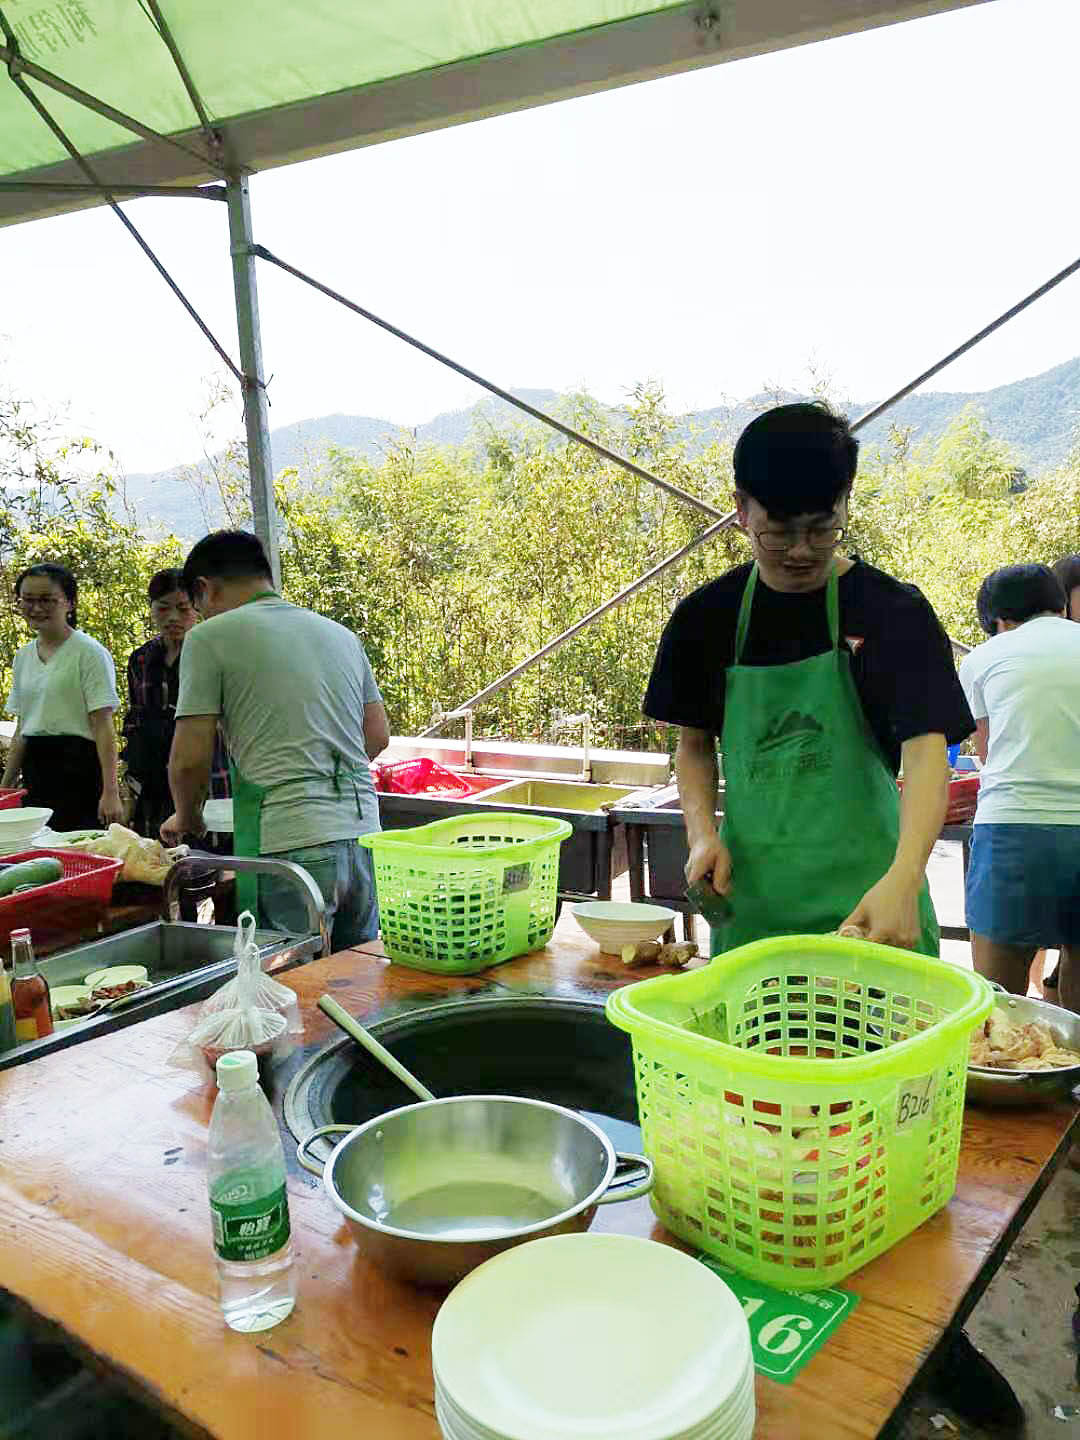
(86, 885)
(424, 776)
(11, 799)
(963, 798)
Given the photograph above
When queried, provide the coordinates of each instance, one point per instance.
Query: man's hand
(110, 807)
(173, 831)
(889, 913)
(710, 857)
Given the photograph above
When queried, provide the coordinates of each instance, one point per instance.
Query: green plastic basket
(461, 894)
(801, 1099)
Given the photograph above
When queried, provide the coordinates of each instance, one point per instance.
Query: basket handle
(309, 1162)
(633, 1177)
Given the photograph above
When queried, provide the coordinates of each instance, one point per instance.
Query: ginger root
(645, 952)
(678, 955)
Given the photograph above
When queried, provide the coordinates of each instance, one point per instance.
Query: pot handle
(309, 1162)
(633, 1177)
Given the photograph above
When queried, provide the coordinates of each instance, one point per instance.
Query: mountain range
(1039, 417)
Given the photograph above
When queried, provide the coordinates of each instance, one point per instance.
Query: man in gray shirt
(302, 716)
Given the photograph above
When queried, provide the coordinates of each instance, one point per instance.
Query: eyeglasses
(818, 537)
(40, 602)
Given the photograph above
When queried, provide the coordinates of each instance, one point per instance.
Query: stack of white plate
(20, 828)
(593, 1337)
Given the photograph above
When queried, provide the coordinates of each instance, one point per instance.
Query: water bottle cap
(238, 1070)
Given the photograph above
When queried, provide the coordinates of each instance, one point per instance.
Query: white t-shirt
(1026, 683)
(56, 698)
(290, 687)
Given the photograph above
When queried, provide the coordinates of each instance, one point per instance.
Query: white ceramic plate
(115, 975)
(15, 847)
(539, 1343)
(734, 1421)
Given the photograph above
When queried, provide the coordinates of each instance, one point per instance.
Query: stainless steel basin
(184, 963)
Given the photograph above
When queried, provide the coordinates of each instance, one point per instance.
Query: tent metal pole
(559, 641)
(128, 192)
(17, 64)
(256, 408)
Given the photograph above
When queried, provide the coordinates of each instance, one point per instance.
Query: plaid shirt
(153, 688)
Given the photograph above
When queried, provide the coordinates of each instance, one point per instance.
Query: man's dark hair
(164, 583)
(796, 460)
(1067, 571)
(226, 555)
(1017, 593)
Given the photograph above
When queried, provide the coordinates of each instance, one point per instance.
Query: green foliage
(454, 564)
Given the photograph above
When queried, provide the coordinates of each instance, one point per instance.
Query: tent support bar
(489, 385)
(624, 594)
(213, 139)
(18, 65)
(129, 192)
(967, 345)
(256, 408)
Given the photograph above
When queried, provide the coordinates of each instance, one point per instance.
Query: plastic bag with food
(247, 1013)
(270, 994)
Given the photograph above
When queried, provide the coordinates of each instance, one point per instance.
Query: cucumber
(30, 872)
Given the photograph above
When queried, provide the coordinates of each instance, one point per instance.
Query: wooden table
(104, 1231)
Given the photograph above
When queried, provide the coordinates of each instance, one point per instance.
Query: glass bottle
(29, 992)
(7, 1011)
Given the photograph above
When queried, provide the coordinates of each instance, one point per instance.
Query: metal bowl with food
(1008, 1085)
(435, 1189)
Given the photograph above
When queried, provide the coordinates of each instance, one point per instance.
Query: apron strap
(832, 610)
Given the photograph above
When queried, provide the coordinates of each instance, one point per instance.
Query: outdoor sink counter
(104, 1230)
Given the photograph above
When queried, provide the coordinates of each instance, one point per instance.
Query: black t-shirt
(901, 659)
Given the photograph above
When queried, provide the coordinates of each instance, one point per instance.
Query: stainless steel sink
(166, 948)
(184, 963)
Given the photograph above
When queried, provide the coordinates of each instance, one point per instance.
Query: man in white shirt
(1023, 686)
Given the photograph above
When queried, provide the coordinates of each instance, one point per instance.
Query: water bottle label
(246, 1227)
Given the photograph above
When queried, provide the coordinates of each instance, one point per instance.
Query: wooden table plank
(104, 1229)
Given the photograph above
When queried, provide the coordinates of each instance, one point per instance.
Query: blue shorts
(1023, 884)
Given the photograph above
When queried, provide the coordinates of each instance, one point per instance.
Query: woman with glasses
(818, 675)
(153, 679)
(64, 694)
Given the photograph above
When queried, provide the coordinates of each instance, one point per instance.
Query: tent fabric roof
(285, 80)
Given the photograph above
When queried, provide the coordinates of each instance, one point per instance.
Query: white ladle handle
(344, 1021)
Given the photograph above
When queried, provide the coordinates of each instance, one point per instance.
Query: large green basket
(461, 894)
(801, 1099)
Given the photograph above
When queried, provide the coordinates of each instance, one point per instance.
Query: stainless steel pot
(987, 1085)
(432, 1190)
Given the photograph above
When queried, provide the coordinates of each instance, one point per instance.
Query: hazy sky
(858, 206)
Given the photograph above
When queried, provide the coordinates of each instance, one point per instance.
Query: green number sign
(787, 1327)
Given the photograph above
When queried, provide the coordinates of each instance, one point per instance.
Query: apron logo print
(790, 747)
(795, 729)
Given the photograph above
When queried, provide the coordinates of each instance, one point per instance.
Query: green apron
(811, 810)
(248, 800)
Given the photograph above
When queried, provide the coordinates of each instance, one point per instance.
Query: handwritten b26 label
(915, 1101)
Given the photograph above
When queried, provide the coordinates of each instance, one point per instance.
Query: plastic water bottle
(249, 1205)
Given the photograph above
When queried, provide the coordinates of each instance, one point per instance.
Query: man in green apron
(302, 716)
(817, 674)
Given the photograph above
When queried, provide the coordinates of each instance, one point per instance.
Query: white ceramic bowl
(615, 923)
(19, 825)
